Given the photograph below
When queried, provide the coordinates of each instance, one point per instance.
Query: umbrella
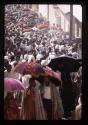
(11, 85)
(41, 26)
(21, 68)
(64, 63)
(49, 72)
(55, 77)
(27, 30)
(79, 61)
(34, 69)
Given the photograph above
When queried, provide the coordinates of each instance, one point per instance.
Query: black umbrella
(80, 61)
(65, 63)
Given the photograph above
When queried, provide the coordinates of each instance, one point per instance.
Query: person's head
(9, 95)
(32, 82)
(17, 58)
(12, 58)
(29, 52)
(8, 67)
(15, 63)
(6, 62)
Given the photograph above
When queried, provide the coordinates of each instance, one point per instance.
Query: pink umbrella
(21, 68)
(49, 72)
(11, 85)
(34, 69)
(27, 30)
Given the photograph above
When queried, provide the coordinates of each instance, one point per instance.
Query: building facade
(55, 15)
(63, 20)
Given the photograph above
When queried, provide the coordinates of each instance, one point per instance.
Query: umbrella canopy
(27, 30)
(64, 63)
(34, 69)
(41, 26)
(49, 72)
(11, 85)
(21, 68)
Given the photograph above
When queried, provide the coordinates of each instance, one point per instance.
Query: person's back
(78, 110)
(67, 95)
(47, 101)
(11, 111)
(29, 102)
(25, 80)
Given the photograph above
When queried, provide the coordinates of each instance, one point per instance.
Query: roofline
(74, 17)
(65, 15)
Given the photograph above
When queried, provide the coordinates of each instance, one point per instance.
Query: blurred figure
(29, 102)
(78, 110)
(11, 110)
(32, 104)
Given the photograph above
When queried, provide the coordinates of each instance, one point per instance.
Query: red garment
(56, 116)
(11, 111)
(29, 106)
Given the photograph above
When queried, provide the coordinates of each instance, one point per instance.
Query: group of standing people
(40, 101)
(45, 98)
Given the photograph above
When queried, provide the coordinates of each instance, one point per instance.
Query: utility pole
(71, 22)
(48, 12)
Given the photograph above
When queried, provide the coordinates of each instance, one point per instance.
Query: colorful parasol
(34, 69)
(49, 72)
(11, 85)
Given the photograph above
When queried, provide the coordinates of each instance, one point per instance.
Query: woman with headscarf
(32, 105)
(29, 103)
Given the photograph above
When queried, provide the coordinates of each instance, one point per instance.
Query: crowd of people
(42, 100)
